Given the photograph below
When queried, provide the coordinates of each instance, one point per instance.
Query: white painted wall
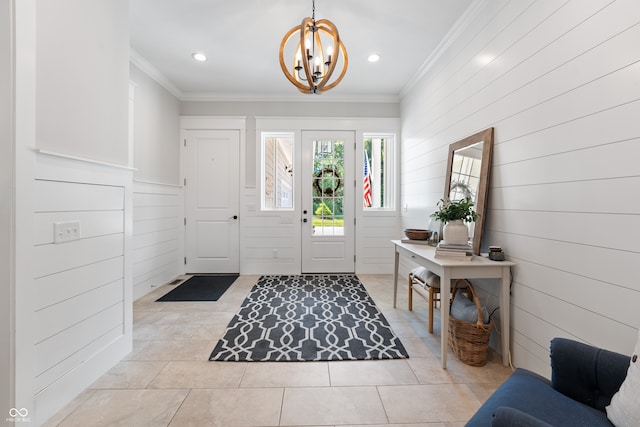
(251, 110)
(156, 131)
(82, 78)
(6, 207)
(559, 82)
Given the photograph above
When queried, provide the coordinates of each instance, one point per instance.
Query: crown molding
(294, 97)
(150, 70)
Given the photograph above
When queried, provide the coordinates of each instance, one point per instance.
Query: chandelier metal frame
(312, 66)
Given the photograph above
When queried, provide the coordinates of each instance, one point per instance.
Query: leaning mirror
(468, 168)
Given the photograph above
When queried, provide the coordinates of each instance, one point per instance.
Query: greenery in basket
(451, 210)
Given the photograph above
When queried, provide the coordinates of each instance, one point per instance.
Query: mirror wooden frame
(485, 136)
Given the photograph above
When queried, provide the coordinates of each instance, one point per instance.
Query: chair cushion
(532, 394)
(428, 278)
(505, 416)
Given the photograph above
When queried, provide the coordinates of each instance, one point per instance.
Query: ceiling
(241, 39)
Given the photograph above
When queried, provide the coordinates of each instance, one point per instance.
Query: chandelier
(314, 65)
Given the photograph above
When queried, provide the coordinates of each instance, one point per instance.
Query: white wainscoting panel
(558, 80)
(82, 305)
(158, 233)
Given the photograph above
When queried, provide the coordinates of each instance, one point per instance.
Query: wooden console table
(450, 268)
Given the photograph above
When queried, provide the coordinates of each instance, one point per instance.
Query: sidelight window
(378, 174)
(277, 171)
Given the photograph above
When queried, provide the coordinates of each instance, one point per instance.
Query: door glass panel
(328, 188)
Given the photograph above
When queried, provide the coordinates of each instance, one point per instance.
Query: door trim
(188, 123)
(328, 245)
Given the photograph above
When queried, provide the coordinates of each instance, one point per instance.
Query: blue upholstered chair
(583, 381)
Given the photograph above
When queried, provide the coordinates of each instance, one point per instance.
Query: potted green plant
(454, 214)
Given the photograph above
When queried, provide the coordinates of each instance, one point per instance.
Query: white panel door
(211, 166)
(328, 190)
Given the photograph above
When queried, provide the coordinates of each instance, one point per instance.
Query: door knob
(235, 217)
(304, 220)
(304, 211)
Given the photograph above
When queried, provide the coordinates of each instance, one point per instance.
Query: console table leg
(395, 277)
(505, 313)
(445, 297)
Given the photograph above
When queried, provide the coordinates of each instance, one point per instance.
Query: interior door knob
(235, 217)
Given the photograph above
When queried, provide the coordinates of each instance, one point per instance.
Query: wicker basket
(470, 341)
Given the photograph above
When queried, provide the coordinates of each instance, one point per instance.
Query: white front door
(328, 194)
(211, 168)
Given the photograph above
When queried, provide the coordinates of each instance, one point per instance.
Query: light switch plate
(66, 231)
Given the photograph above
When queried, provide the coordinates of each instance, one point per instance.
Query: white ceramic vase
(455, 233)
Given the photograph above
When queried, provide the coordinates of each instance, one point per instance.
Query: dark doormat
(201, 288)
(305, 318)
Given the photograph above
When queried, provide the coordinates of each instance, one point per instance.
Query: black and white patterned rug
(306, 318)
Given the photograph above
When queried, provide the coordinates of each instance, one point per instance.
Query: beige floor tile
(410, 329)
(177, 318)
(209, 332)
(129, 374)
(371, 372)
(199, 374)
(175, 350)
(170, 358)
(332, 406)
(429, 370)
(286, 374)
(229, 408)
(428, 403)
(491, 373)
(166, 332)
(483, 391)
(126, 408)
(421, 347)
(57, 418)
(138, 346)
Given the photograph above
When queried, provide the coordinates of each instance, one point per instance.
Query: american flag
(366, 184)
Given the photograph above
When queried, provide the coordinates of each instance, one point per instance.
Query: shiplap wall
(157, 235)
(82, 288)
(560, 82)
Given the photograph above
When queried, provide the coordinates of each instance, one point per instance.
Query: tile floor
(167, 379)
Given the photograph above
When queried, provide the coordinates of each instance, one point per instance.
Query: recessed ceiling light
(199, 56)
(374, 57)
